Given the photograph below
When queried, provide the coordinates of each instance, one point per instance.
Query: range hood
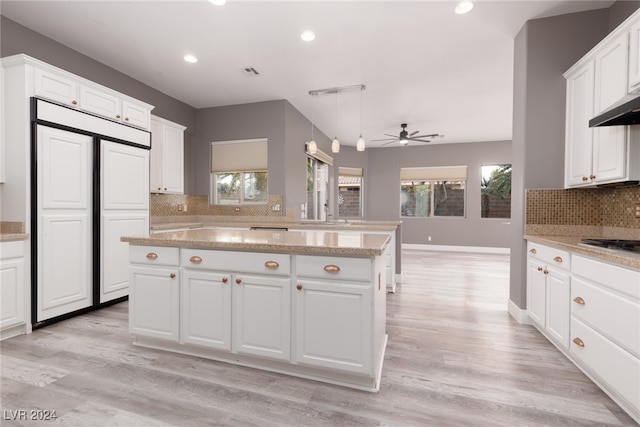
(625, 112)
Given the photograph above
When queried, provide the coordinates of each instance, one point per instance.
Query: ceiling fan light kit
(405, 137)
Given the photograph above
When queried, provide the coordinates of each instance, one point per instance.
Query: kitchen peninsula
(308, 303)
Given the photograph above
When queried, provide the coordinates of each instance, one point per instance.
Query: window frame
(215, 197)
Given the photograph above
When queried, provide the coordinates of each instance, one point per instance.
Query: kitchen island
(305, 303)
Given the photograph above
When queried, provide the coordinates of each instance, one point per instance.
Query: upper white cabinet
(167, 156)
(598, 81)
(68, 89)
(634, 58)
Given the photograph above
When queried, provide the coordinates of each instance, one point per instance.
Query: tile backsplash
(606, 208)
(167, 205)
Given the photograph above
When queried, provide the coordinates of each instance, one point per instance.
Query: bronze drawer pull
(271, 264)
(299, 287)
(579, 300)
(74, 102)
(557, 259)
(540, 268)
(195, 259)
(533, 251)
(152, 255)
(578, 342)
(172, 275)
(238, 281)
(330, 268)
(225, 280)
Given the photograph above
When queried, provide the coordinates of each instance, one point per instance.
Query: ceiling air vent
(250, 72)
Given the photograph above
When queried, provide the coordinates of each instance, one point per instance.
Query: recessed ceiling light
(463, 7)
(218, 2)
(307, 36)
(191, 58)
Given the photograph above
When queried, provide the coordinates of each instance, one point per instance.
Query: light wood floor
(455, 358)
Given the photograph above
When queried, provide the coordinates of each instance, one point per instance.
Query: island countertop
(293, 242)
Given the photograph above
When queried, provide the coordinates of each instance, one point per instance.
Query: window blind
(436, 173)
(248, 155)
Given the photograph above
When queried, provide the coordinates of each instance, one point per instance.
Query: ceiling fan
(405, 136)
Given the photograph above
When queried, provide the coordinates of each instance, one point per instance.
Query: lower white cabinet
(548, 291)
(262, 316)
(12, 286)
(241, 307)
(341, 341)
(591, 311)
(605, 328)
(206, 309)
(154, 297)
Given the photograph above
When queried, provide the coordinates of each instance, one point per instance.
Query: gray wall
(16, 39)
(285, 127)
(383, 192)
(544, 50)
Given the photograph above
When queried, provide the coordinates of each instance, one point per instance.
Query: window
(495, 190)
(239, 172)
(433, 191)
(349, 193)
(241, 188)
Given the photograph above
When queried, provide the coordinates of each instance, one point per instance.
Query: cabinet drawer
(12, 249)
(325, 267)
(615, 317)
(622, 280)
(229, 261)
(154, 255)
(550, 256)
(619, 369)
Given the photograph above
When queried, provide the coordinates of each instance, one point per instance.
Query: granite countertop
(308, 242)
(12, 237)
(572, 244)
(311, 225)
(11, 231)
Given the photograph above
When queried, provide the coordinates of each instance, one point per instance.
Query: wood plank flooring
(455, 358)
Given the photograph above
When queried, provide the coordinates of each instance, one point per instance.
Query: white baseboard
(518, 313)
(445, 248)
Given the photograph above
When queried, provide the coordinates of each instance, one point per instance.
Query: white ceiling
(421, 63)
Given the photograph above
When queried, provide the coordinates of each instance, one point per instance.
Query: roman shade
(349, 171)
(436, 173)
(247, 155)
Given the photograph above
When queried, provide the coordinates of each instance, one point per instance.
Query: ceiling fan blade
(390, 142)
(420, 140)
(431, 135)
(414, 132)
(385, 139)
(393, 136)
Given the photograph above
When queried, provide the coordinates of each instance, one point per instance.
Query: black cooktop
(627, 245)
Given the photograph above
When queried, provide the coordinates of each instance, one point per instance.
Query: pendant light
(360, 143)
(312, 147)
(335, 144)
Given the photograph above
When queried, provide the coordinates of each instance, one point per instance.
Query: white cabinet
(605, 328)
(154, 301)
(167, 157)
(548, 291)
(598, 81)
(206, 309)
(262, 316)
(634, 58)
(238, 301)
(350, 338)
(65, 88)
(12, 286)
(64, 222)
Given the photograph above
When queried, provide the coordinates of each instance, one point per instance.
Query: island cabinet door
(206, 309)
(333, 325)
(154, 302)
(262, 316)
